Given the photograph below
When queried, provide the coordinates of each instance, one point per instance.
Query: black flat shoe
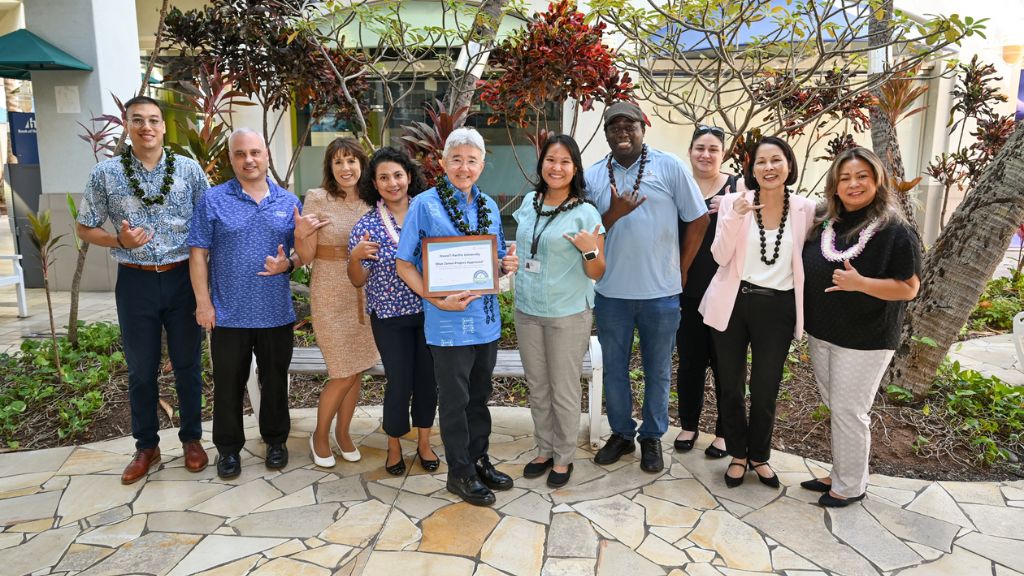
(429, 465)
(713, 451)
(734, 482)
(829, 501)
(772, 480)
(396, 469)
(559, 479)
(685, 445)
(535, 469)
(815, 485)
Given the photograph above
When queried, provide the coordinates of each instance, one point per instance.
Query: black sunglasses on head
(703, 129)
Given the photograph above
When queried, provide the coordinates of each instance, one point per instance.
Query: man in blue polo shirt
(462, 330)
(241, 234)
(642, 193)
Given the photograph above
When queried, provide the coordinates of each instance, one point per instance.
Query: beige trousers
(552, 352)
(848, 380)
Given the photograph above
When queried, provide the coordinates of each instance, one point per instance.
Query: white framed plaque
(454, 264)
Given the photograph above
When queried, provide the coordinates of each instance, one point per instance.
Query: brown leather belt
(155, 267)
(329, 252)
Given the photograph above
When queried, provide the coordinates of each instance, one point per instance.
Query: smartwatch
(592, 255)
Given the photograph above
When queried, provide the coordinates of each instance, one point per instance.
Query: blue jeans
(148, 303)
(657, 320)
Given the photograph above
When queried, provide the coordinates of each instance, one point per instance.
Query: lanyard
(536, 235)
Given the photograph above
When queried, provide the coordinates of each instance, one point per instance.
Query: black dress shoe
(815, 485)
(535, 469)
(685, 445)
(471, 490)
(734, 482)
(490, 475)
(650, 455)
(829, 501)
(277, 456)
(559, 479)
(772, 480)
(713, 451)
(613, 449)
(229, 466)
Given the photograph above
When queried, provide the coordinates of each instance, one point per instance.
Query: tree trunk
(76, 290)
(485, 28)
(883, 132)
(958, 266)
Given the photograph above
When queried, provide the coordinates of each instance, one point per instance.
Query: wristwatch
(291, 265)
(592, 255)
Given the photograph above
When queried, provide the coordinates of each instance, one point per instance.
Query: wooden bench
(311, 361)
(17, 279)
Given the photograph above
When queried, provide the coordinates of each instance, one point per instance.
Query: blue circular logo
(481, 277)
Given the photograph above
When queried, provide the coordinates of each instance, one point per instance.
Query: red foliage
(557, 56)
(798, 104)
(425, 142)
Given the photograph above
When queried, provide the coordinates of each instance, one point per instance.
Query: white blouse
(778, 276)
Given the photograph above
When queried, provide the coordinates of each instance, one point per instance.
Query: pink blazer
(728, 250)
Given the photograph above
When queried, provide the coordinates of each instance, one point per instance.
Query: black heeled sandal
(734, 482)
(772, 480)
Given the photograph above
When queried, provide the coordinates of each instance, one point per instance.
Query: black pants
(232, 350)
(463, 376)
(696, 355)
(765, 323)
(409, 368)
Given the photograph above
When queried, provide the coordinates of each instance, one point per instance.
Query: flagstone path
(64, 511)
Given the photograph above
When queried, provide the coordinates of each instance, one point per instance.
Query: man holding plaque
(642, 194)
(451, 252)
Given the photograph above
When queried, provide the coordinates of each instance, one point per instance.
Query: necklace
(388, 219)
(451, 206)
(828, 241)
(538, 206)
(639, 174)
(760, 227)
(133, 180)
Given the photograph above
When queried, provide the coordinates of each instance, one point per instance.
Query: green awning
(22, 52)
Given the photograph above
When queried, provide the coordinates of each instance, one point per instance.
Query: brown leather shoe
(195, 457)
(140, 464)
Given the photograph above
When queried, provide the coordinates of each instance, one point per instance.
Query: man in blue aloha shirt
(242, 233)
(149, 194)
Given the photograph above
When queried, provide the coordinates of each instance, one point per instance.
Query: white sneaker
(325, 462)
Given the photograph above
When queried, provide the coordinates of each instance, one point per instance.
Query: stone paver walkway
(64, 511)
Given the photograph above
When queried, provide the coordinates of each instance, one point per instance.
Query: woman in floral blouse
(396, 312)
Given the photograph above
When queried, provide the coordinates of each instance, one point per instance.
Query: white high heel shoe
(325, 462)
(353, 456)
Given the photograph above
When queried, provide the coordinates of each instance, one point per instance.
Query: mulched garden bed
(802, 425)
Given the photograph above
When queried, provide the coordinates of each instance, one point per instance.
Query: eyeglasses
(703, 129)
(459, 163)
(140, 122)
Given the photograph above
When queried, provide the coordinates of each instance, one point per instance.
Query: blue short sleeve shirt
(109, 196)
(480, 322)
(642, 249)
(240, 234)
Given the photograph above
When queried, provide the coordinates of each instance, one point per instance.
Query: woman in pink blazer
(756, 300)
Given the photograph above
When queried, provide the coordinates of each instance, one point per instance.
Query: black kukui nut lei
(760, 227)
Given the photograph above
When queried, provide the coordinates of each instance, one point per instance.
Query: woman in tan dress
(339, 318)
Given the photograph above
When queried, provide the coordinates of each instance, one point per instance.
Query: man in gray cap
(642, 193)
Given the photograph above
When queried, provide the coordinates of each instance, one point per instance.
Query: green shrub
(999, 303)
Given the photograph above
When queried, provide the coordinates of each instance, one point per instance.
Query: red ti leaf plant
(425, 142)
(557, 56)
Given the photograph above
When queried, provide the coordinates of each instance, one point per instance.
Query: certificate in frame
(454, 264)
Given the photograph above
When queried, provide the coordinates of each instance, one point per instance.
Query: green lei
(133, 180)
(451, 205)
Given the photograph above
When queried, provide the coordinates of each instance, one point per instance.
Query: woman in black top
(860, 269)
(693, 338)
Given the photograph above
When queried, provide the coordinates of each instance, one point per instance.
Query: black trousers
(463, 376)
(409, 368)
(765, 323)
(231, 350)
(696, 354)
